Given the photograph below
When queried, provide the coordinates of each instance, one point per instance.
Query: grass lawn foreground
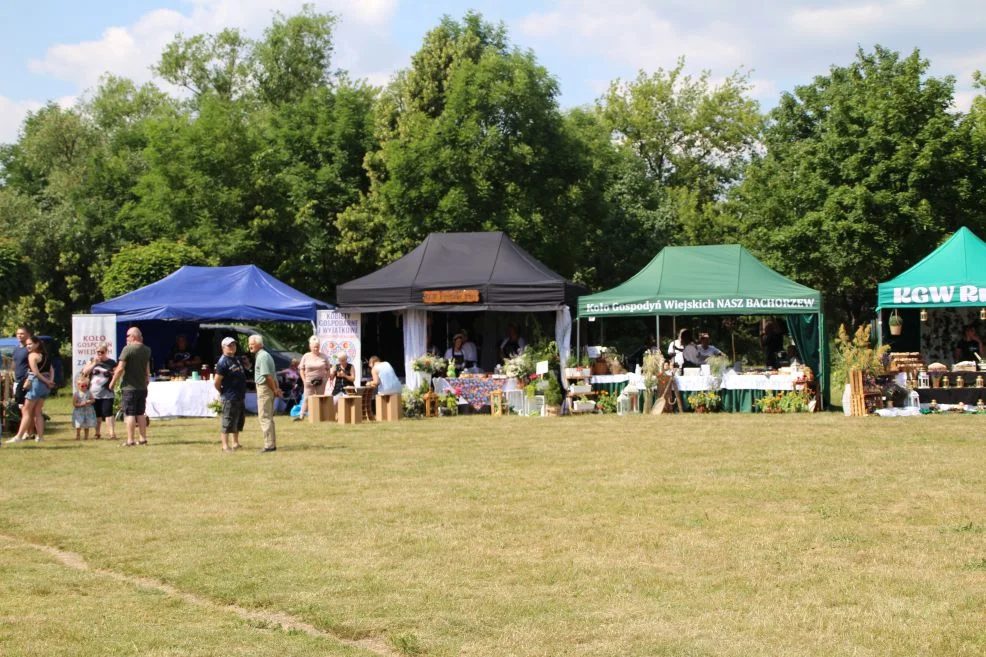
(689, 535)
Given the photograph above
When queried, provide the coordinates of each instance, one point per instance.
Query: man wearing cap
(264, 375)
(230, 381)
(705, 350)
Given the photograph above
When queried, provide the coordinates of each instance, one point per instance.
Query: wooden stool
(496, 403)
(321, 408)
(389, 407)
(350, 409)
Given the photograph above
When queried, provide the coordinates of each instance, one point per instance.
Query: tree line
(271, 156)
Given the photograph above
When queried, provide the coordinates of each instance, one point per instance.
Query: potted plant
(896, 323)
(449, 404)
(705, 401)
(770, 403)
(553, 396)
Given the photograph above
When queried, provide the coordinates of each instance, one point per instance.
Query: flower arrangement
(430, 364)
(718, 365)
(605, 403)
(216, 406)
(705, 401)
(794, 401)
(521, 366)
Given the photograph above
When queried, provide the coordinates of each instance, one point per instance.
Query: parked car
(7, 346)
(208, 344)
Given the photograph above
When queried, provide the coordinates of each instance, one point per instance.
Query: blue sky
(57, 49)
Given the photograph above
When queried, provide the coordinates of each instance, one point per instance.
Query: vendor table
(615, 383)
(739, 392)
(475, 391)
(180, 398)
(968, 396)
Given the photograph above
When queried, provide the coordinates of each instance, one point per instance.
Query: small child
(84, 415)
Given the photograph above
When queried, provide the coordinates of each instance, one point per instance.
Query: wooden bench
(321, 408)
(389, 407)
(350, 409)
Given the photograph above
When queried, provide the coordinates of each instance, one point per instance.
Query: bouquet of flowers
(521, 366)
(430, 364)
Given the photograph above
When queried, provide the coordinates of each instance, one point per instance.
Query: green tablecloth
(733, 401)
(612, 388)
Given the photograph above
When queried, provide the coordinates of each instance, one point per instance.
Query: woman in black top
(343, 374)
(40, 382)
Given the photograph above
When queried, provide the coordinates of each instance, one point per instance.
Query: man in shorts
(230, 381)
(135, 370)
(21, 369)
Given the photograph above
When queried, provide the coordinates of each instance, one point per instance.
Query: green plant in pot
(553, 395)
(896, 323)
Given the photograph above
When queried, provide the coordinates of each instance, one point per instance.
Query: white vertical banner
(337, 332)
(88, 331)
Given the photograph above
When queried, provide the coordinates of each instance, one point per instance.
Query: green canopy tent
(951, 276)
(718, 280)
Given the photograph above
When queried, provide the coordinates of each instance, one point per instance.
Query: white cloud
(12, 114)
(362, 43)
(782, 43)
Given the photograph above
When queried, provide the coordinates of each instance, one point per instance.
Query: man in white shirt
(705, 350)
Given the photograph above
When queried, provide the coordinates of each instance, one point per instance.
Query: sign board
(340, 332)
(541, 367)
(450, 296)
(88, 331)
(704, 306)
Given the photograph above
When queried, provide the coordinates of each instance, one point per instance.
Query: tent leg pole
(657, 331)
(578, 339)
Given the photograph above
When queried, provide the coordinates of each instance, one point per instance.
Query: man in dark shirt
(230, 381)
(970, 346)
(20, 366)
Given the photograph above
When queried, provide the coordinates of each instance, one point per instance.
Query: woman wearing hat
(460, 352)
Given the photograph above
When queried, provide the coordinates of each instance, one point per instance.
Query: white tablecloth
(733, 381)
(695, 382)
(180, 398)
(629, 378)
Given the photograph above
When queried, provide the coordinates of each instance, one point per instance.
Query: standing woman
(100, 373)
(314, 369)
(40, 382)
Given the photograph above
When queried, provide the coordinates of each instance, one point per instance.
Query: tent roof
(703, 280)
(243, 292)
(939, 278)
(506, 276)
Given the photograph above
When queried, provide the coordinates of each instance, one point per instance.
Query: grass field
(639, 536)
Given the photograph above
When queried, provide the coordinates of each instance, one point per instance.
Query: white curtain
(563, 336)
(415, 336)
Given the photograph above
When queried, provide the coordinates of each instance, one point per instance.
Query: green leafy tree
(470, 139)
(694, 138)
(865, 170)
(137, 266)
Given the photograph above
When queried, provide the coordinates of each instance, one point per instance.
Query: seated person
(970, 346)
(513, 344)
(791, 356)
(705, 350)
(290, 381)
(342, 374)
(469, 350)
(384, 379)
(180, 360)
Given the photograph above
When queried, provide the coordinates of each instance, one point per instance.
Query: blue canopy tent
(199, 294)
(208, 294)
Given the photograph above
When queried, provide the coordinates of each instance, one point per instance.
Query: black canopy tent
(507, 277)
(461, 272)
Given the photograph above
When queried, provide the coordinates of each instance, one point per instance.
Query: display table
(474, 391)
(180, 398)
(968, 396)
(614, 384)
